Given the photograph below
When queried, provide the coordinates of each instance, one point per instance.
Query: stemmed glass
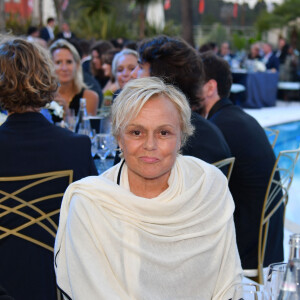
(101, 147)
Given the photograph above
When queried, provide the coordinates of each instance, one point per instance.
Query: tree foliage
(281, 15)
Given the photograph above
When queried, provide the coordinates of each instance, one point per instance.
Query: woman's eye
(136, 132)
(164, 132)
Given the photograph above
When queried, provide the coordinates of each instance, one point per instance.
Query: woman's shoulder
(89, 94)
(196, 167)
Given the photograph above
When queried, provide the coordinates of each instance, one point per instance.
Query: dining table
(260, 88)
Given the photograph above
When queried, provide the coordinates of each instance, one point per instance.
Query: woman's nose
(150, 142)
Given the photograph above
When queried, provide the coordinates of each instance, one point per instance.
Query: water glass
(250, 291)
(274, 279)
(71, 119)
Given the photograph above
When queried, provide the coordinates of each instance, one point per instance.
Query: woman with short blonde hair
(158, 225)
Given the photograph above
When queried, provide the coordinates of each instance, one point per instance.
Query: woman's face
(150, 141)
(125, 66)
(65, 65)
(96, 60)
(106, 69)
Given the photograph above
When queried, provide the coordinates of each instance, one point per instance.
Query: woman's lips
(149, 160)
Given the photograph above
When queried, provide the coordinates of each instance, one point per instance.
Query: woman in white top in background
(156, 226)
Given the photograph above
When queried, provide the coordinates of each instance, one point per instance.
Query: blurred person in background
(255, 52)
(254, 162)
(33, 35)
(97, 50)
(112, 85)
(66, 33)
(123, 64)
(107, 59)
(32, 145)
(47, 32)
(225, 52)
(177, 63)
(69, 72)
(270, 59)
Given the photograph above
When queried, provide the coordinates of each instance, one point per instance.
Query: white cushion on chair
(250, 273)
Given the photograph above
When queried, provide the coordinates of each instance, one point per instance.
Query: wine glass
(274, 279)
(100, 145)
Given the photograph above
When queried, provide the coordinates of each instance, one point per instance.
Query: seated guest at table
(165, 57)
(97, 50)
(270, 59)
(107, 59)
(123, 64)
(147, 227)
(31, 145)
(69, 72)
(255, 52)
(225, 52)
(283, 50)
(254, 161)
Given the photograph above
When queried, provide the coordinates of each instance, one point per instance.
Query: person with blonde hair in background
(69, 72)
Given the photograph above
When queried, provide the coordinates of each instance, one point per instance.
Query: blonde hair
(117, 57)
(78, 79)
(27, 76)
(135, 95)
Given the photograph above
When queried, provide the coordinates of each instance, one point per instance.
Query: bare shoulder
(89, 94)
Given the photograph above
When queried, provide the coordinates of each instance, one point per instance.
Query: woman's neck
(147, 188)
(67, 90)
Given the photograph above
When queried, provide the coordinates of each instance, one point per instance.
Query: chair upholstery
(226, 166)
(272, 135)
(285, 165)
(29, 213)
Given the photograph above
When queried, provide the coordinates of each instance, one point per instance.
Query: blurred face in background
(125, 66)
(141, 70)
(106, 69)
(224, 50)
(65, 65)
(96, 60)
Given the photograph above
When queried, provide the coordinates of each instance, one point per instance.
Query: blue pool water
(289, 138)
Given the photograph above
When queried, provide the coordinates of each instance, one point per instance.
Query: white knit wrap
(112, 244)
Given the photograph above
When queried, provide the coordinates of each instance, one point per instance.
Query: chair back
(30, 205)
(276, 195)
(272, 135)
(226, 166)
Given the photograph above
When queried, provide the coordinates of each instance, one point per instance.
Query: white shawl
(112, 244)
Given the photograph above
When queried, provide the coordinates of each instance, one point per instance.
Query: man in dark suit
(31, 145)
(66, 33)
(47, 32)
(254, 161)
(177, 63)
(270, 59)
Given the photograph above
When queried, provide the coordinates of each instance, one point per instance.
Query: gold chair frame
(270, 133)
(286, 178)
(226, 162)
(39, 179)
